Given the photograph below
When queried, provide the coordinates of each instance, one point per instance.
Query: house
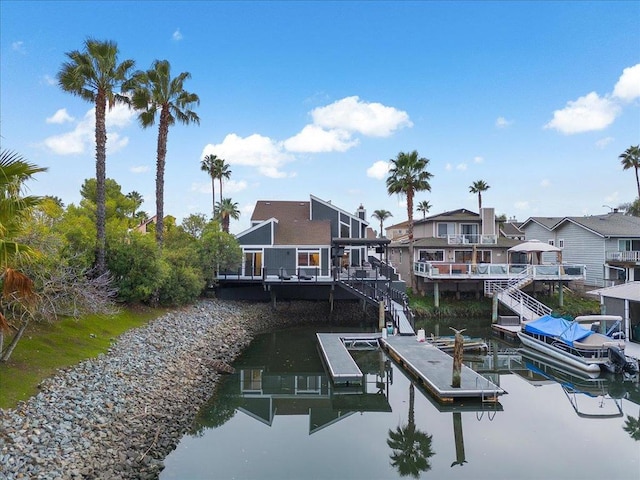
(149, 224)
(397, 231)
(622, 300)
(511, 229)
(608, 245)
(302, 237)
(449, 244)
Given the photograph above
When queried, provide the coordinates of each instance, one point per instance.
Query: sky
(537, 99)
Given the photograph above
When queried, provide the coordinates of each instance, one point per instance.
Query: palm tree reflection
(411, 447)
(632, 427)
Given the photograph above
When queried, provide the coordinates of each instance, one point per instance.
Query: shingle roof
(547, 222)
(511, 229)
(435, 242)
(609, 225)
(452, 215)
(303, 232)
(282, 210)
(625, 291)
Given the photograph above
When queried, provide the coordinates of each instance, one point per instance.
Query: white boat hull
(586, 365)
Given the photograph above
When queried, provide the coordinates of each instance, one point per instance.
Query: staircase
(509, 294)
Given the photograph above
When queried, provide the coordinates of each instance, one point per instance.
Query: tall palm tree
(207, 165)
(137, 200)
(424, 206)
(156, 93)
(222, 171)
(630, 158)
(407, 175)
(411, 447)
(15, 209)
(226, 210)
(381, 216)
(478, 187)
(96, 76)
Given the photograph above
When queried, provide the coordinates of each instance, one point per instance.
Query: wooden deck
(433, 368)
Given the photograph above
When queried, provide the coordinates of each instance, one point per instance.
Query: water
(279, 418)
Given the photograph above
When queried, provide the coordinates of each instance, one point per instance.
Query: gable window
(445, 229)
(431, 255)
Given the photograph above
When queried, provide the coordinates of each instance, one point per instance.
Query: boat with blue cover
(572, 343)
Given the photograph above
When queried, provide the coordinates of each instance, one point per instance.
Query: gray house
(300, 238)
(609, 245)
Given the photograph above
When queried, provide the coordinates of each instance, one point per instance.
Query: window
(561, 243)
(551, 242)
(308, 384)
(628, 245)
(431, 255)
(445, 229)
(345, 230)
(251, 380)
(466, 256)
(308, 258)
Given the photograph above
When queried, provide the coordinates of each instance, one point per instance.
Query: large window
(251, 380)
(628, 245)
(445, 229)
(466, 256)
(253, 263)
(308, 258)
(431, 255)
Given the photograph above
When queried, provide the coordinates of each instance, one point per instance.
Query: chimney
(361, 213)
(488, 216)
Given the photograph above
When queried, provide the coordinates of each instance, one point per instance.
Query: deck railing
(471, 239)
(488, 270)
(628, 256)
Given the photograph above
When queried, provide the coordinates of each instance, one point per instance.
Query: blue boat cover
(566, 330)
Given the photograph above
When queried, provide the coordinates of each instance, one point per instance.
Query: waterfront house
(608, 245)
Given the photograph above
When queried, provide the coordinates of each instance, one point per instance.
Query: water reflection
(395, 426)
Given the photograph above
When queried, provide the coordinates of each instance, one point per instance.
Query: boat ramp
(426, 363)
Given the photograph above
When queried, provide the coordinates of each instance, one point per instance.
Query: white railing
(493, 270)
(629, 256)
(472, 238)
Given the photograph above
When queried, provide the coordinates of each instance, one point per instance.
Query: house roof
(625, 291)
(282, 210)
(609, 225)
(435, 242)
(460, 214)
(511, 229)
(546, 222)
(403, 224)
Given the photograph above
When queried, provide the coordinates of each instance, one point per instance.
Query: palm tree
(630, 158)
(156, 93)
(95, 76)
(14, 210)
(407, 176)
(225, 210)
(424, 206)
(381, 216)
(222, 171)
(478, 187)
(137, 200)
(411, 447)
(208, 165)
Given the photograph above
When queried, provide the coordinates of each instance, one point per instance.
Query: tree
(630, 158)
(411, 447)
(15, 209)
(219, 252)
(137, 200)
(226, 210)
(408, 175)
(478, 187)
(156, 93)
(95, 76)
(631, 208)
(221, 172)
(381, 216)
(194, 224)
(208, 165)
(424, 207)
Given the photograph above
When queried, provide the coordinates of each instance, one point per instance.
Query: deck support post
(494, 308)
(458, 350)
(381, 322)
(331, 300)
(561, 294)
(436, 294)
(273, 299)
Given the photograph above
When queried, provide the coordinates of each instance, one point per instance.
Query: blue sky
(537, 99)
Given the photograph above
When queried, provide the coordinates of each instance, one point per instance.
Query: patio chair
(282, 275)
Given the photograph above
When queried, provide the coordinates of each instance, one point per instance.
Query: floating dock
(342, 367)
(433, 368)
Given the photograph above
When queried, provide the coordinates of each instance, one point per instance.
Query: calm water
(279, 417)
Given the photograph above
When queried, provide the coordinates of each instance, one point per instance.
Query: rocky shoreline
(118, 415)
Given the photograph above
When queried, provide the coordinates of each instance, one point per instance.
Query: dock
(342, 368)
(433, 368)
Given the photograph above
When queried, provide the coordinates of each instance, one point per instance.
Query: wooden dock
(433, 368)
(343, 369)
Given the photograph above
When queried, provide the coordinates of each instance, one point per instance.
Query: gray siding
(276, 258)
(320, 211)
(260, 236)
(583, 247)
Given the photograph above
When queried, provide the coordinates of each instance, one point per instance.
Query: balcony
(631, 256)
(482, 271)
(472, 239)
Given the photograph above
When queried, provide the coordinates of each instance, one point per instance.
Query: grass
(47, 347)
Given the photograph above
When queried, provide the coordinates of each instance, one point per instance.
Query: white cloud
(585, 114)
(448, 167)
(478, 159)
(378, 170)
(461, 166)
(502, 122)
(521, 205)
(18, 47)
(612, 198)
(353, 115)
(314, 139)
(628, 86)
(233, 186)
(61, 116)
(177, 36)
(49, 80)
(82, 137)
(139, 169)
(253, 151)
(603, 142)
(545, 183)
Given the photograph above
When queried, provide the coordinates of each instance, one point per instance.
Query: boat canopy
(557, 327)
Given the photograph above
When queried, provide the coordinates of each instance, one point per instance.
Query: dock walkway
(433, 368)
(342, 367)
